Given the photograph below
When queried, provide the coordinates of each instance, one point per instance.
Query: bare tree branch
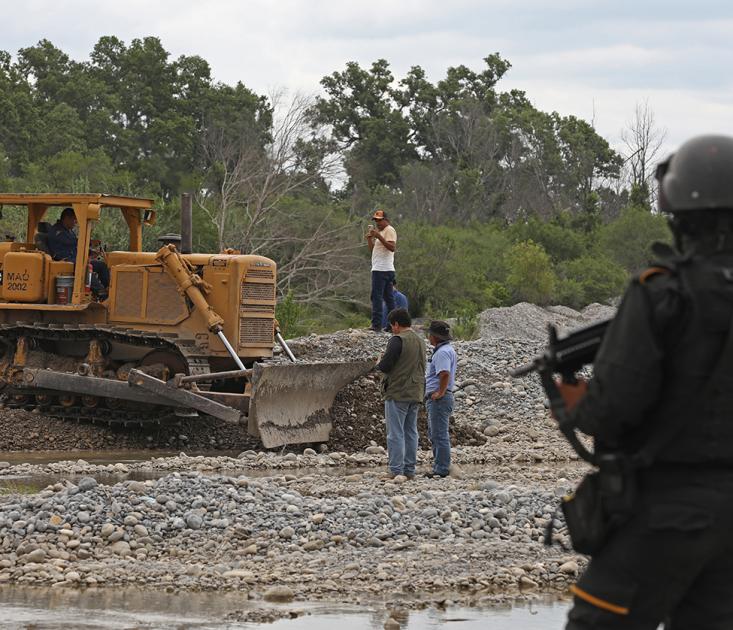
(643, 141)
(254, 183)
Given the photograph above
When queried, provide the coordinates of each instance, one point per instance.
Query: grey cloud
(567, 55)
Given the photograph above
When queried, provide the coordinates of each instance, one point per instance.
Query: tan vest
(406, 381)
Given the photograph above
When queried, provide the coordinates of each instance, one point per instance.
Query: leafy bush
(570, 293)
(467, 324)
(590, 279)
(288, 313)
(530, 277)
(627, 240)
(444, 267)
(561, 242)
(496, 294)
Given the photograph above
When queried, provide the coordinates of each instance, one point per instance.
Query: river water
(37, 608)
(102, 457)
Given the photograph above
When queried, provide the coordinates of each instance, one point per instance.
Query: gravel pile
(358, 420)
(509, 413)
(529, 322)
(314, 537)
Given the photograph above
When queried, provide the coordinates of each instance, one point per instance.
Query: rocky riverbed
(319, 522)
(470, 539)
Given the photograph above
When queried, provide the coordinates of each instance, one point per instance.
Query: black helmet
(698, 177)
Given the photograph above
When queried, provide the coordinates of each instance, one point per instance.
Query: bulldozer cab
(27, 267)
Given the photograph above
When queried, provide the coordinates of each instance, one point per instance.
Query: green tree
(18, 116)
(530, 277)
(628, 240)
(560, 241)
(155, 130)
(590, 279)
(438, 113)
(367, 122)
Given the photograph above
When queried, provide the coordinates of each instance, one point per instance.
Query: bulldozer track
(126, 413)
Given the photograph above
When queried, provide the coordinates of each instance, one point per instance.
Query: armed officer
(663, 376)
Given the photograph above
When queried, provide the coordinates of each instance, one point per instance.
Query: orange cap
(378, 215)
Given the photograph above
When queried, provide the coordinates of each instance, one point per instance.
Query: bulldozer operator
(62, 243)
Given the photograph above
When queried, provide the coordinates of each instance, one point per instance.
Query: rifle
(604, 499)
(565, 356)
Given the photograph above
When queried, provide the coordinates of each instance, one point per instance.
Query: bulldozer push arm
(140, 387)
(195, 288)
(565, 356)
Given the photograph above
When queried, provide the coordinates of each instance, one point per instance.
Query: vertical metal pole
(284, 346)
(230, 350)
(186, 224)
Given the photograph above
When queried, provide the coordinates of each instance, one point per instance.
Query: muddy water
(57, 608)
(37, 482)
(101, 457)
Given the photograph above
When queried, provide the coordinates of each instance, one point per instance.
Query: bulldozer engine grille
(257, 291)
(260, 273)
(255, 330)
(128, 302)
(164, 303)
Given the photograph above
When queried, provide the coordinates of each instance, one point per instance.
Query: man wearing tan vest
(403, 364)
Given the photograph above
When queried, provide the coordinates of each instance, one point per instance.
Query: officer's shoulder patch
(651, 272)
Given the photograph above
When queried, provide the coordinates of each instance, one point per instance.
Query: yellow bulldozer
(174, 333)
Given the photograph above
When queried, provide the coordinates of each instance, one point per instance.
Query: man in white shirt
(382, 241)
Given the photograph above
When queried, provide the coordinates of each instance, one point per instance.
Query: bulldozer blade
(290, 404)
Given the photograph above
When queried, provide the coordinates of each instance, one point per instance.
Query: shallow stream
(35, 608)
(102, 456)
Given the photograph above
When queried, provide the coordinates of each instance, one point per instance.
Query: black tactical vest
(697, 390)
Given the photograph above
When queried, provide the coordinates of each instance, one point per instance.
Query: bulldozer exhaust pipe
(186, 224)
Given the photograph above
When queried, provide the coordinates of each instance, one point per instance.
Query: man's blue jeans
(439, 412)
(381, 294)
(401, 436)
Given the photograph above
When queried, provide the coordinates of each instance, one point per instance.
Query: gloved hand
(572, 393)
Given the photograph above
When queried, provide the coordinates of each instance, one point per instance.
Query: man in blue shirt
(440, 377)
(61, 237)
(400, 301)
(62, 243)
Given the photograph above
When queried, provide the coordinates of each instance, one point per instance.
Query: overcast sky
(596, 60)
